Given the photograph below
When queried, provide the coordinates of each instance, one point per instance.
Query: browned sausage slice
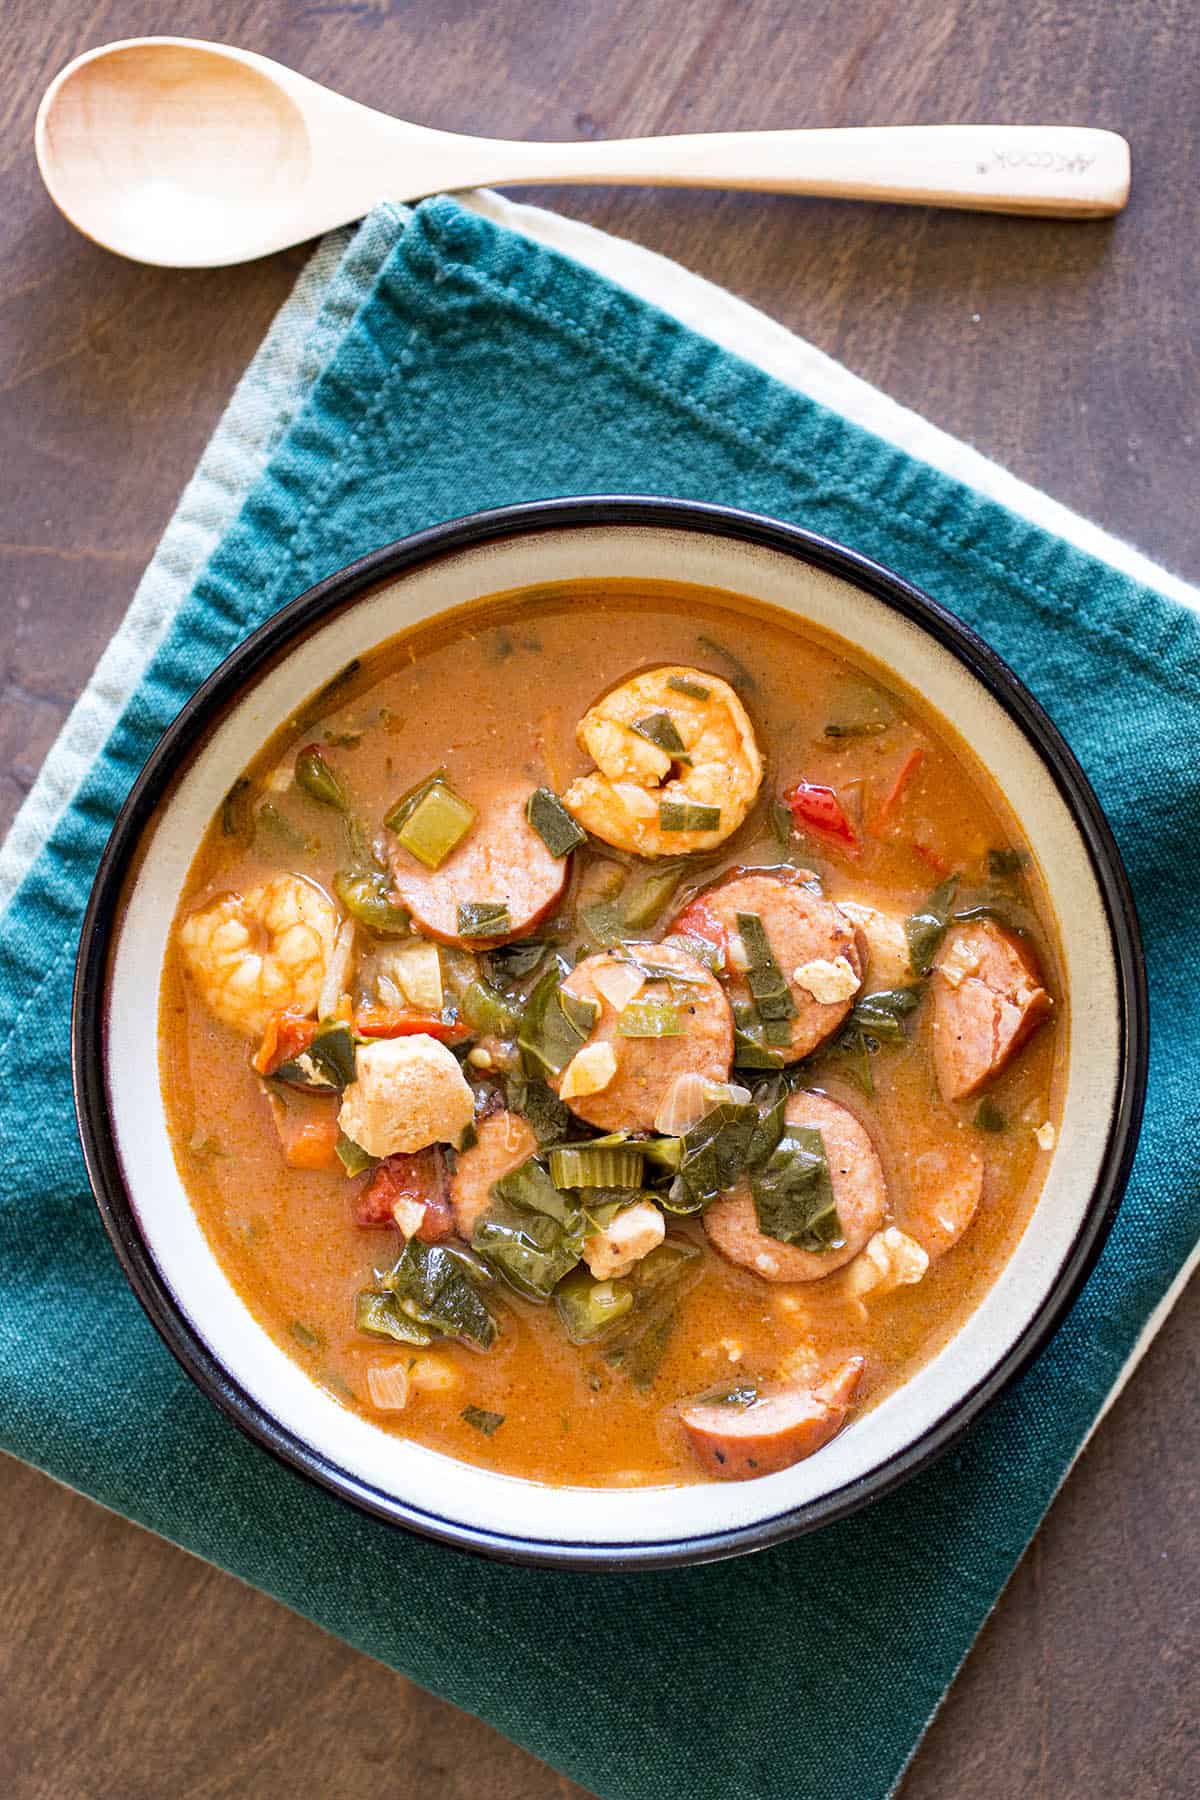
(987, 999)
(945, 1189)
(734, 1443)
(803, 928)
(501, 859)
(859, 1193)
(503, 1142)
(647, 1067)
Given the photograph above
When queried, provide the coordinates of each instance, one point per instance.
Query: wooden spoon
(189, 154)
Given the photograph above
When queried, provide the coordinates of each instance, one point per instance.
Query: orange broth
(503, 684)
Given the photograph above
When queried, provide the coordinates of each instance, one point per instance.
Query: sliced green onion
(483, 1420)
(679, 815)
(483, 918)
(649, 1019)
(856, 728)
(588, 1308)
(316, 779)
(648, 899)
(366, 896)
(553, 823)
(487, 1010)
(281, 832)
(659, 729)
(988, 1116)
(352, 1156)
(237, 815)
(596, 1165)
(772, 996)
(695, 690)
(431, 820)
(377, 1313)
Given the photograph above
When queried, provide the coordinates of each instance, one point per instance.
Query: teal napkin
(446, 365)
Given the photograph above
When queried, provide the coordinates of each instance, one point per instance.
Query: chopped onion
(387, 1384)
(690, 1097)
(617, 983)
(338, 971)
(589, 1071)
(415, 968)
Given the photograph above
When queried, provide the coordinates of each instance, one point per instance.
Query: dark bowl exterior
(221, 691)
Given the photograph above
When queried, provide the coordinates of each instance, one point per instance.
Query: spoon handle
(1062, 171)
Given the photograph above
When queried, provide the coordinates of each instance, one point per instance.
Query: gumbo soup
(613, 1035)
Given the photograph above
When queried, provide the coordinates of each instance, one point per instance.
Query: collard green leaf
(554, 1027)
(529, 1188)
(926, 928)
(377, 1313)
(432, 1288)
(487, 1422)
(793, 1194)
(530, 1250)
(658, 1283)
(540, 1105)
(660, 729)
(881, 1015)
(772, 997)
(553, 823)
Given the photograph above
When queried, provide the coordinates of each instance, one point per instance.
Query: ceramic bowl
(143, 1203)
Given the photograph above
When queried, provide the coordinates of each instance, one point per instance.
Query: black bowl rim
(226, 685)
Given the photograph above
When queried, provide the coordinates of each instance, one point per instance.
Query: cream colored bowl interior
(425, 1479)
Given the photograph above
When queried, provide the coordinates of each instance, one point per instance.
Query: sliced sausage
(859, 1193)
(802, 927)
(502, 858)
(946, 1189)
(987, 999)
(887, 964)
(647, 1067)
(734, 1443)
(503, 1142)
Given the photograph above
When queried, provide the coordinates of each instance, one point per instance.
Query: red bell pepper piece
(285, 1037)
(895, 794)
(817, 809)
(697, 920)
(419, 1176)
(378, 1022)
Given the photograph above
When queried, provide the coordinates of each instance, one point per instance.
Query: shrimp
(669, 737)
(260, 953)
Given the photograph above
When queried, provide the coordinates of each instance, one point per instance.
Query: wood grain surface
(1068, 352)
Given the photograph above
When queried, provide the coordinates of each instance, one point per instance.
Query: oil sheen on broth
(904, 1114)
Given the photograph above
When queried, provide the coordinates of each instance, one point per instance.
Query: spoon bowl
(147, 147)
(189, 154)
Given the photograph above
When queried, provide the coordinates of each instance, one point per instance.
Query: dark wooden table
(1069, 352)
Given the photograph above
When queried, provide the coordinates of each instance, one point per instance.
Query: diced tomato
(311, 1145)
(285, 1037)
(379, 1022)
(818, 809)
(895, 793)
(929, 855)
(419, 1176)
(699, 921)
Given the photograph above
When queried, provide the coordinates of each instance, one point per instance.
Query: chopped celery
(431, 820)
(649, 1019)
(589, 1308)
(553, 823)
(377, 1313)
(366, 897)
(680, 815)
(596, 1165)
(315, 778)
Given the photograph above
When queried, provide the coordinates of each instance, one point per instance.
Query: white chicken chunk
(408, 1093)
(613, 1251)
(890, 1260)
